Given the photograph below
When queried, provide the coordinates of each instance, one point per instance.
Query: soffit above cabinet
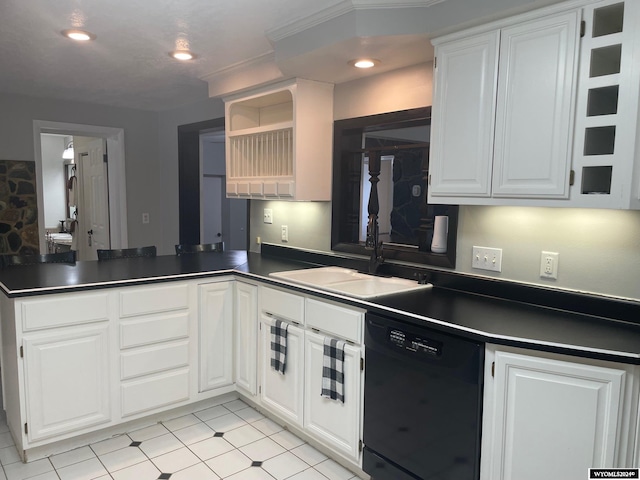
(319, 46)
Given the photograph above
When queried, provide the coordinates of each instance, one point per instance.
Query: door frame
(116, 175)
(189, 177)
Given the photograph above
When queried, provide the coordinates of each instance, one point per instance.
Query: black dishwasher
(422, 403)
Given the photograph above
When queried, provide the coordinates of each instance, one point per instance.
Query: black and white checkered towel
(279, 346)
(333, 369)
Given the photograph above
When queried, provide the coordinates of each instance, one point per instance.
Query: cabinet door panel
(246, 336)
(553, 419)
(336, 424)
(536, 88)
(216, 335)
(463, 116)
(284, 393)
(67, 381)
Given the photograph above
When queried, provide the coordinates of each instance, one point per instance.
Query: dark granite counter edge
(441, 325)
(279, 257)
(112, 284)
(625, 310)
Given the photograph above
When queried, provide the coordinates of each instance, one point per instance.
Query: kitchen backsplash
(599, 250)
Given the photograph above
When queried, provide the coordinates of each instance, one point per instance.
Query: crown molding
(347, 6)
(243, 75)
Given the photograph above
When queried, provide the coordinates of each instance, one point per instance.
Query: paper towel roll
(440, 231)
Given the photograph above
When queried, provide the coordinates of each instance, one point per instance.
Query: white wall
(54, 183)
(168, 123)
(599, 249)
(142, 162)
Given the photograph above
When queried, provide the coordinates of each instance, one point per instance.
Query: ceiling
(239, 43)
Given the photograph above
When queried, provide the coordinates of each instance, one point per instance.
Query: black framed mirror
(399, 144)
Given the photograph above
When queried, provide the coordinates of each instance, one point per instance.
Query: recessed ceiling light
(79, 35)
(364, 62)
(182, 55)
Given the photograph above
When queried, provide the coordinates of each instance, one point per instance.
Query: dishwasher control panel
(414, 343)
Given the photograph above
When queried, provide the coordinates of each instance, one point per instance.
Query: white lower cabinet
(335, 423)
(215, 320)
(554, 416)
(295, 396)
(283, 393)
(246, 337)
(66, 376)
(154, 340)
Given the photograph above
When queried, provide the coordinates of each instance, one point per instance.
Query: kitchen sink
(350, 282)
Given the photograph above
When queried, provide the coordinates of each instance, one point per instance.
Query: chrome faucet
(374, 244)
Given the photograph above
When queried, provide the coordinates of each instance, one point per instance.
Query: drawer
(336, 320)
(141, 301)
(150, 393)
(61, 310)
(154, 359)
(148, 330)
(281, 304)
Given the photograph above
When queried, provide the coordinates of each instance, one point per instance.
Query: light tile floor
(229, 441)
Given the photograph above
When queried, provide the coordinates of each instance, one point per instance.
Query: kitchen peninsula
(95, 345)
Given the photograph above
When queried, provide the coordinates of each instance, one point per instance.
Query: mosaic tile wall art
(18, 208)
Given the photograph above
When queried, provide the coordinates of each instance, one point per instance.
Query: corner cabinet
(216, 334)
(503, 111)
(555, 416)
(246, 333)
(278, 142)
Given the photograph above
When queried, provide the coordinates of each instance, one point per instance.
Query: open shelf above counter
(279, 142)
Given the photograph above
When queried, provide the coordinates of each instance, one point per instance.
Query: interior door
(94, 210)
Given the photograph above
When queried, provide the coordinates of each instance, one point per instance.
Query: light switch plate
(487, 258)
(268, 215)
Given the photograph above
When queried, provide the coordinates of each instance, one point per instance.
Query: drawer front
(282, 304)
(154, 392)
(339, 321)
(154, 359)
(140, 301)
(61, 310)
(148, 330)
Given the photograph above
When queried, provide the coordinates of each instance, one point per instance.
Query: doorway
(204, 209)
(113, 140)
(75, 194)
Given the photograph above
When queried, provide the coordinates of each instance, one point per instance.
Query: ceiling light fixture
(182, 55)
(79, 35)
(364, 62)
(67, 154)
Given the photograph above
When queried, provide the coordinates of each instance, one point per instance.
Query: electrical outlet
(549, 265)
(145, 218)
(285, 233)
(268, 215)
(487, 258)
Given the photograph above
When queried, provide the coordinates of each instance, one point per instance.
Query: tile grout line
(200, 421)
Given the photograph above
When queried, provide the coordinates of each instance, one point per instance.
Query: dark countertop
(472, 315)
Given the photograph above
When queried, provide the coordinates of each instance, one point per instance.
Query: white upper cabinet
(463, 113)
(536, 87)
(540, 109)
(606, 160)
(278, 142)
(503, 111)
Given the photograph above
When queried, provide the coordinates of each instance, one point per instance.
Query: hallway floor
(228, 441)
